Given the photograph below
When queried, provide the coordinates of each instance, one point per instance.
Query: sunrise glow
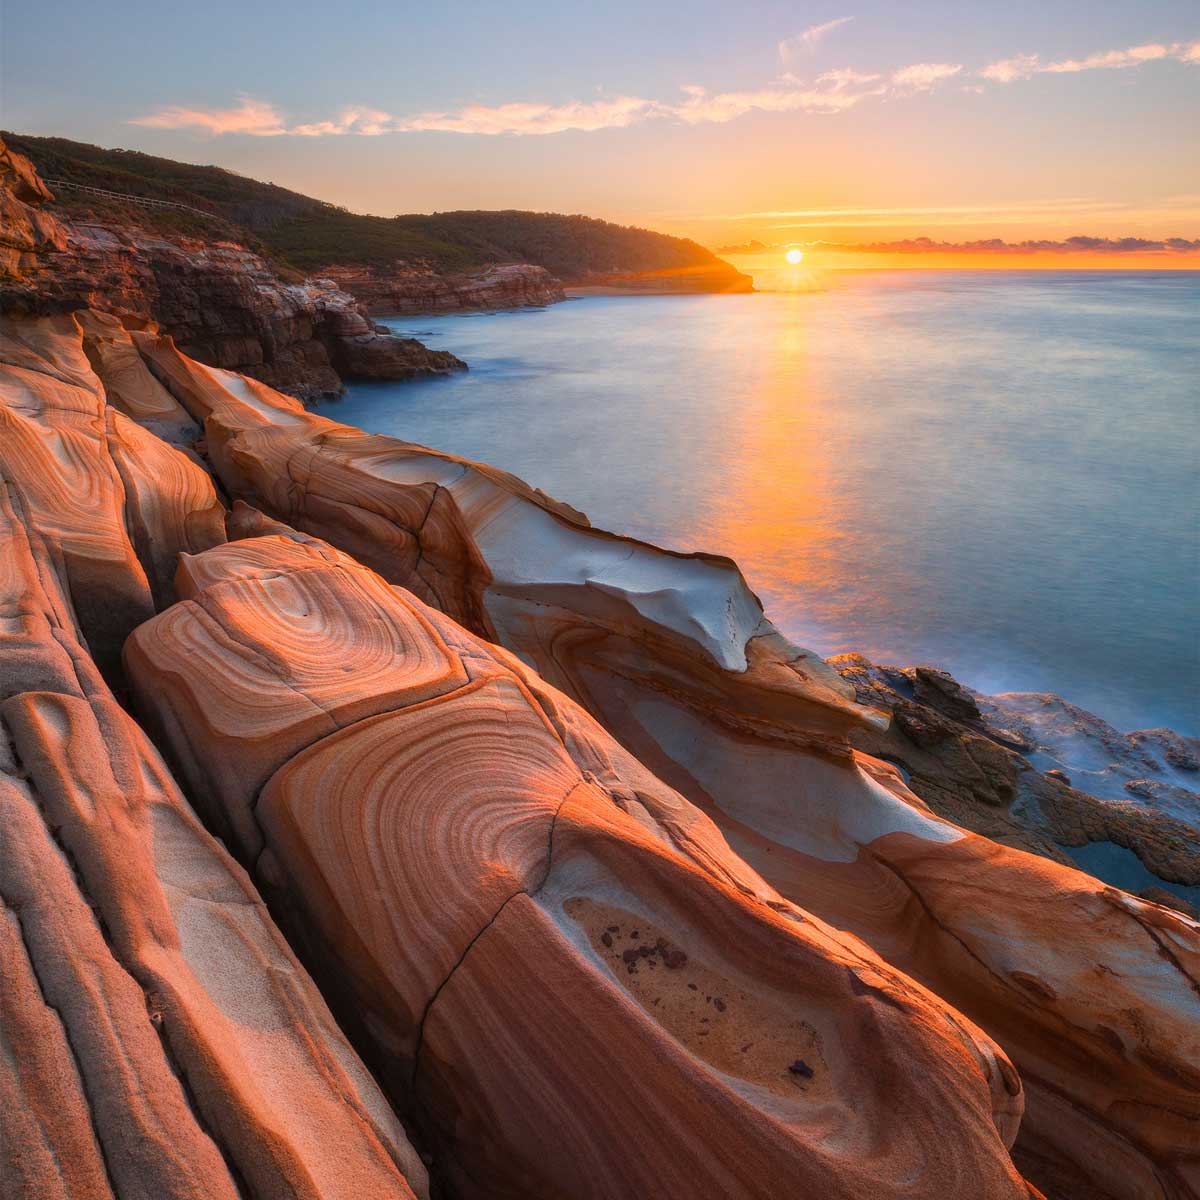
(795, 257)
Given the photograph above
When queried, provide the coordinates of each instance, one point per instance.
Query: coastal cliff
(375, 826)
(412, 262)
(417, 288)
(221, 301)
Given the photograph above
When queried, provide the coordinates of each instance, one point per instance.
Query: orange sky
(780, 122)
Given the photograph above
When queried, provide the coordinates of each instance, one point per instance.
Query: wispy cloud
(832, 92)
(921, 77)
(1023, 66)
(794, 47)
(522, 118)
(1071, 245)
(254, 117)
(1008, 69)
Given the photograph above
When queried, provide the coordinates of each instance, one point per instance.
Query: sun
(795, 257)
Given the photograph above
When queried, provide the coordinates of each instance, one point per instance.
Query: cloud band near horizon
(925, 245)
(830, 93)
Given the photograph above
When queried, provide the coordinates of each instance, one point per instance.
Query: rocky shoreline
(408, 289)
(376, 827)
(220, 301)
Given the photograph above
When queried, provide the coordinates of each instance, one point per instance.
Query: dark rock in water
(1033, 770)
(940, 690)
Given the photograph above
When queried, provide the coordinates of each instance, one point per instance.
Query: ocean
(990, 472)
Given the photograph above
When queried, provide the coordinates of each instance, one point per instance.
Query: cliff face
(26, 233)
(219, 300)
(408, 288)
(462, 248)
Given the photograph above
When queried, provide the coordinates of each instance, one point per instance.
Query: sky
(850, 124)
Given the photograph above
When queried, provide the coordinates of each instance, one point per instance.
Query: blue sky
(955, 119)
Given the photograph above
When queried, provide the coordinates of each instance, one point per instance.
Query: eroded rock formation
(567, 832)
(1091, 991)
(555, 954)
(158, 1037)
(26, 232)
(221, 301)
(1036, 772)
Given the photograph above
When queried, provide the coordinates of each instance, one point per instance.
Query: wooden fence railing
(126, 197)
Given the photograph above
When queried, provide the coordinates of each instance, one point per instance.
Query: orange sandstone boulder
(553, 956)
(129, 385)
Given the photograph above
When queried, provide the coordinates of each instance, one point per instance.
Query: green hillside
(306, 234)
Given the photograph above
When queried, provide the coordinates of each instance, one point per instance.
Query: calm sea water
(993, 472)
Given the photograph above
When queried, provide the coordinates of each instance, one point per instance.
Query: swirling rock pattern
(674, 656)
(129, 386)
(551, 954)
(159, 1039)
(1092, 992)
(114, 503)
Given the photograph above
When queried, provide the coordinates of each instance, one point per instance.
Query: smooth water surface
(993, 472)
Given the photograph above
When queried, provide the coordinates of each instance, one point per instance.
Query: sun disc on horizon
(795, 257)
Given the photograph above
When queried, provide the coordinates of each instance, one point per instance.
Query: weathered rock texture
(416, 288)
(555, 954)
(222, 302)
(26, 233)
(1092, 992)
(580, 972)
(1036, 772)
(114, 504)
(158, 1038)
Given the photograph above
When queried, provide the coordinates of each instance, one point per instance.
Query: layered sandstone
(159, 1039)
(578, 971)
(418, 288)
(114, 504)
(1091, 991)
(553, 954)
